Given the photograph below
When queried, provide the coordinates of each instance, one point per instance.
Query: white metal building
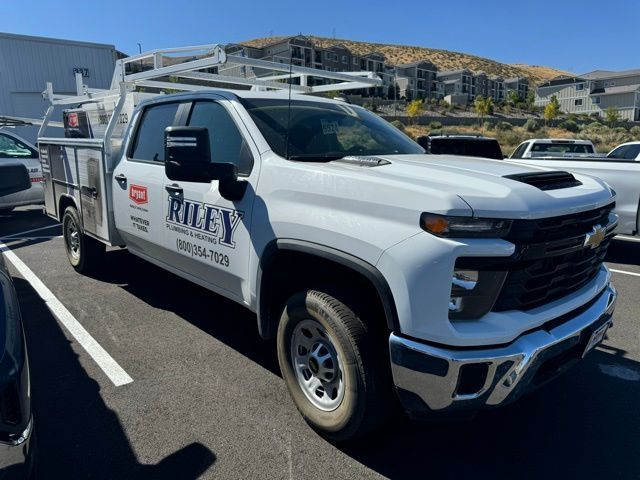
(27, 63)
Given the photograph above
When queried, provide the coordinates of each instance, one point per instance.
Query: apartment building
(417, 80)
(458, 83)
(520, 85)
(595, 92)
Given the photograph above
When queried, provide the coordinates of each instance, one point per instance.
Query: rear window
(149, 144)
(561, 148)
(466, 147)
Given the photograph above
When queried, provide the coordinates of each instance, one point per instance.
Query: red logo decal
(72, 120)
(138, 194)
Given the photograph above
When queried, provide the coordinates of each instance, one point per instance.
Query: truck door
(209, 234)
(139, 196)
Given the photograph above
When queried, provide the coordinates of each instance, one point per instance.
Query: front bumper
(432, 378)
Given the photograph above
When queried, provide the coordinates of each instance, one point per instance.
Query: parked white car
(14, 148)
(554, 147)
(626, 151)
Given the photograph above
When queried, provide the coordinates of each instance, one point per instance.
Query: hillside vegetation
(443, 59)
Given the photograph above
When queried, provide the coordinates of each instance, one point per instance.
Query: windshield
(325, 131)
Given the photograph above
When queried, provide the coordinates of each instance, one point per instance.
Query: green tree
(552, 110)
(611, 115)
(483, 106)
(531, 98)
(512, 97)
(415, 109)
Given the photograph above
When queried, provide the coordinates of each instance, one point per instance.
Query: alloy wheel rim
(317, 366)
(73, 238)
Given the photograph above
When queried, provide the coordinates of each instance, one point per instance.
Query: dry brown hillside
(443, 59)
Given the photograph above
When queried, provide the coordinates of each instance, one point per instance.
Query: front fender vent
(546, 180)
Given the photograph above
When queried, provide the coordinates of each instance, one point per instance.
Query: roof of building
(452, 72)
(515, 79)
(602, 74)
(15, 36)
(616, 90)
(415, 64)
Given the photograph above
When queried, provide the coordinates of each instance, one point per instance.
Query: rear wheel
(328, 362)
(84, 253)
(6, 211)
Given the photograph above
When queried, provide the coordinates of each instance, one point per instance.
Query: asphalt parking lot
(207, 401)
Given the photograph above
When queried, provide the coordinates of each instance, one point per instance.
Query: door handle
(174, 189)
(120, 178)
(89, 191)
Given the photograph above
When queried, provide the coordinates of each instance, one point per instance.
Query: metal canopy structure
(200, 67)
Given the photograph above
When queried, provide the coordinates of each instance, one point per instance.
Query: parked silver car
(15, 149)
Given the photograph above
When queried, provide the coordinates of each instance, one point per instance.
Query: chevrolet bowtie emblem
(595, 237)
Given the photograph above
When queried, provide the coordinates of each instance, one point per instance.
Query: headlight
(450, 226)
(473, 292)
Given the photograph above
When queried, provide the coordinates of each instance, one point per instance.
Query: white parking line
(108, 365)
(624, 272)
(29, 231)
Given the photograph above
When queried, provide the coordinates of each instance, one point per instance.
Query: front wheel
(328, 363)
(84, 253)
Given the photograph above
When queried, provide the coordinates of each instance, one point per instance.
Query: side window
(227, 143)
(13, 148)
(519, 151)
(625, 152)
(149, 143)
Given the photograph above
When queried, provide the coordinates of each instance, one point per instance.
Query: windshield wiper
(316, 157)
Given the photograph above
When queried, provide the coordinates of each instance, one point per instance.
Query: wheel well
(65, 202)
(286, 272)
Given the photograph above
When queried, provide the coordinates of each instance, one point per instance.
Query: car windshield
(325, 131)
(558, 147)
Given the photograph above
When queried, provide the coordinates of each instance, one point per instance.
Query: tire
(84, 253)
(340, 412)
(6, 211)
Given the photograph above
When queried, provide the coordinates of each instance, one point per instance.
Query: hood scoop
(546, 180)
(364, 161)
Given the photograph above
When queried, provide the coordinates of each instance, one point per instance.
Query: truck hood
(482, 185)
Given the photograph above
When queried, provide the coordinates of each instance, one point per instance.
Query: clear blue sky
(578, 36)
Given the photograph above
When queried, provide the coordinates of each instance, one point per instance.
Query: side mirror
(187, 157)
(187, 154)
(14, 178)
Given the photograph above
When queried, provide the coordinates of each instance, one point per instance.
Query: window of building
(149, 144)
(328, 56)
(335, 57)
(579, 86)
(226, 142)
(344, 59)
(577, 102)
(595, 100)
(355, 61)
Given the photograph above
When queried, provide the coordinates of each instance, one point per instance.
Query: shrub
(570, 126)
(435, 125)
(635, 131)
(504, 126)
(487, 126)
(398, 124)
(532, 125)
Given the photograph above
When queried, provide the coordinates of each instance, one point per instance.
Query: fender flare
(370, 272)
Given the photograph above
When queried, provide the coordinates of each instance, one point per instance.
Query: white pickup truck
(383, 274)
(620, 169)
